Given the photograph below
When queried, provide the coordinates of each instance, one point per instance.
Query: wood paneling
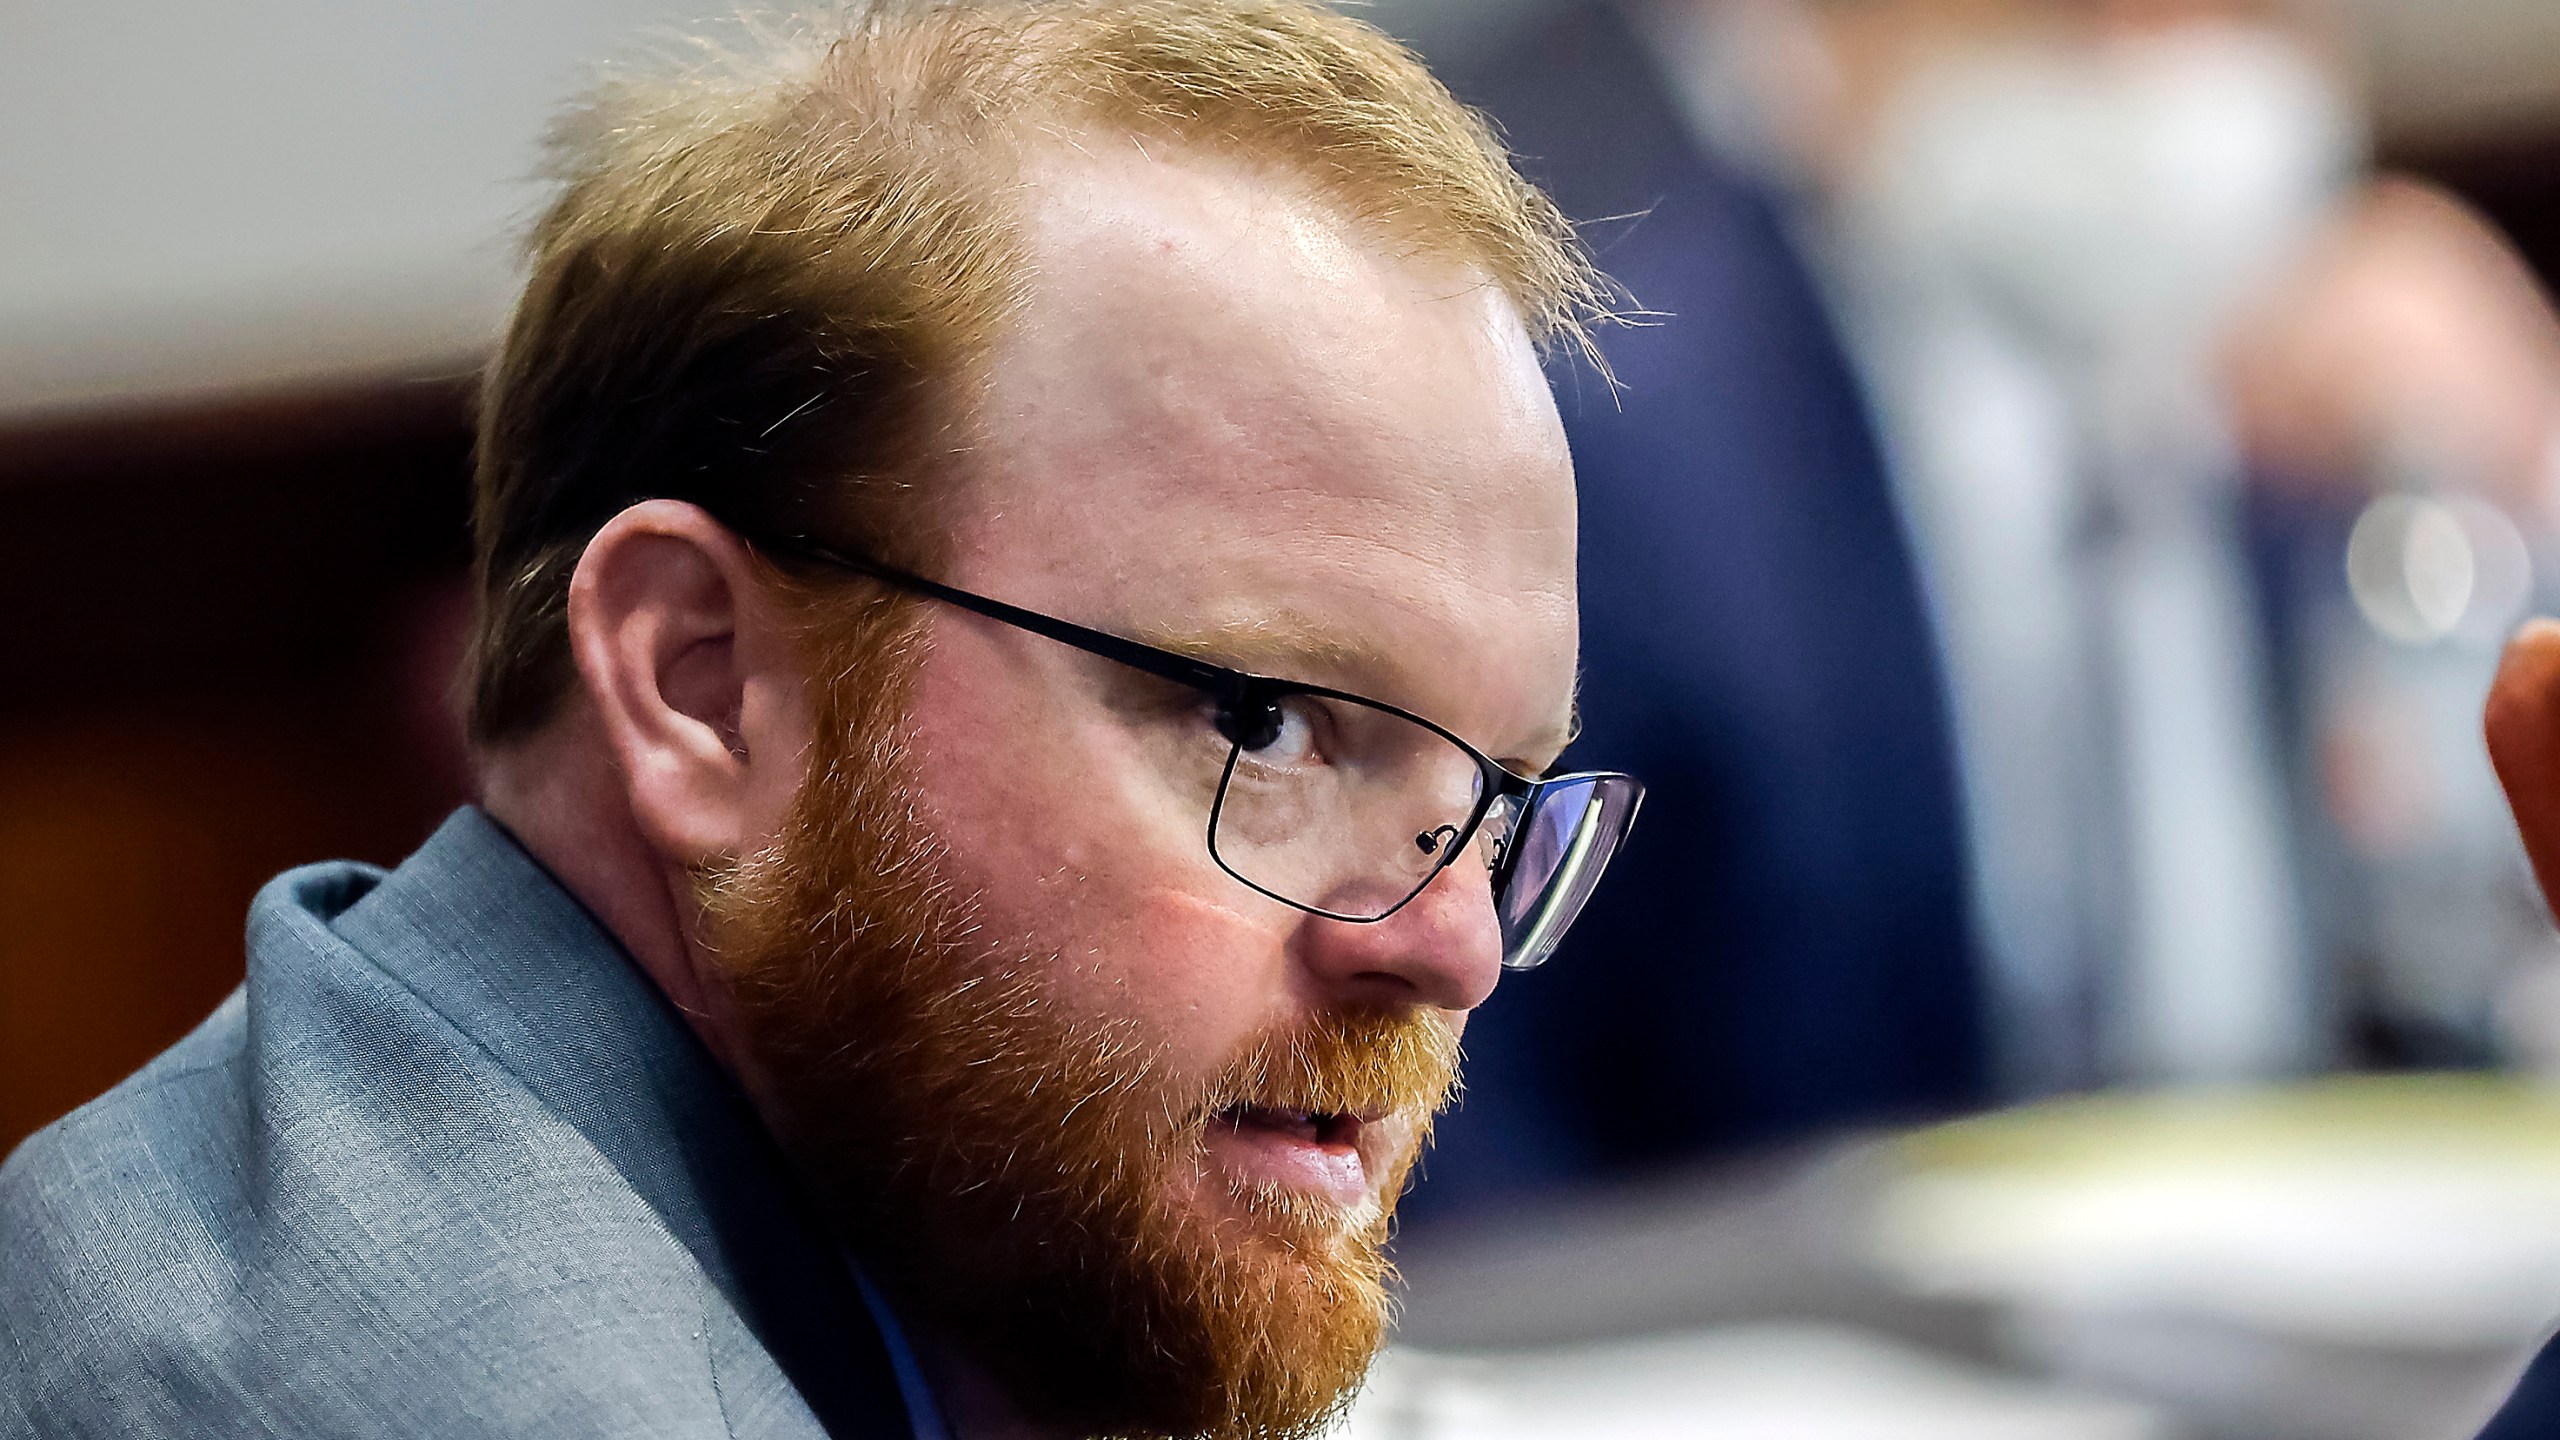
(230, 641)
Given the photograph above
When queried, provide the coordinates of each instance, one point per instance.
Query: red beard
(1015, 1175)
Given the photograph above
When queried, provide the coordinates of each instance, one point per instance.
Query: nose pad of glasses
(1498, 831)
(1431, 842)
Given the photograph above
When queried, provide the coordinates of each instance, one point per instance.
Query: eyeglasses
(1343, 806)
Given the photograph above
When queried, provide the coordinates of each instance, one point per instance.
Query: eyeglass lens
(1350, 810)
(1557, 856)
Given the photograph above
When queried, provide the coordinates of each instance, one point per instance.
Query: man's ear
(2524, 743)
(689, 666)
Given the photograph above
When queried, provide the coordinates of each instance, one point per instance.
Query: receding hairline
(772, 266)
(1450, 191)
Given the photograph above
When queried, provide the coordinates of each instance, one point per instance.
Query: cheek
(1064, 856)
(1008, 778)
(1200, 977)
(1024, 772)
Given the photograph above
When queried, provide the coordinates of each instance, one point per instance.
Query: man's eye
(1283, 733)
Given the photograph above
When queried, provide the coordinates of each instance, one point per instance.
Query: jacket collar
(477, 929)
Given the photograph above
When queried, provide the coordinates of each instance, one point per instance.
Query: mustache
(1365, 1063)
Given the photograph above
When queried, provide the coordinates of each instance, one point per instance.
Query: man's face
(1232, 424)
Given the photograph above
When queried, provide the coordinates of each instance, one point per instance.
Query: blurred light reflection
(2425, 570)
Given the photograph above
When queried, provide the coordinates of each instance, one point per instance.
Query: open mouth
(1331, 1130)
(1335, 1131)
(1310, 1153)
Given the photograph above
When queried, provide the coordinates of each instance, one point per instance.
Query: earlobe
(674, 641)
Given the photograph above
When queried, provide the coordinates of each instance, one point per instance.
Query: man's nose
(1443, 949)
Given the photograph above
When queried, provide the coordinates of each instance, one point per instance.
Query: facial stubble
(1028, 1181)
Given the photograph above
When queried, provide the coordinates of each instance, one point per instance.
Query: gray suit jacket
(447, 1165)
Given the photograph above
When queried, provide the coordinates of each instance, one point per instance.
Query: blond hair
(770, 267)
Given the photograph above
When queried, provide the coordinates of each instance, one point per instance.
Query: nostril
(1402, 983)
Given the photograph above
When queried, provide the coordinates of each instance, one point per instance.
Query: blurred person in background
(1984, 677)
(1757, 634)
(861, 1004)
(2054, 214)
(2398, 396)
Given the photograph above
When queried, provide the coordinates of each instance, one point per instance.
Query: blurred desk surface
(2360, 1259)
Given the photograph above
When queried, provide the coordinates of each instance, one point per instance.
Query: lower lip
(1267, 1156)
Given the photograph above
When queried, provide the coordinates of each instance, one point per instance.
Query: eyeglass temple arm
(1216, 680)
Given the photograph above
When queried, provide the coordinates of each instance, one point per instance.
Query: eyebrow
(1288, 646)
(1283, 646)
(1551, 743)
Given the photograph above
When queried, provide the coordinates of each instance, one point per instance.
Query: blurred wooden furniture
(229, 631)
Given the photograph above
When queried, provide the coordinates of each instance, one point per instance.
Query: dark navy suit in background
(1784, 946)
(2533, 1411)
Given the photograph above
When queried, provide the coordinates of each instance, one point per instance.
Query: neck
(558, 795)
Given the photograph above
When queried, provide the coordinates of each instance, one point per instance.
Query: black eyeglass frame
(1237, 693)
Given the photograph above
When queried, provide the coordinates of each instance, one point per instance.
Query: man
(913, 971)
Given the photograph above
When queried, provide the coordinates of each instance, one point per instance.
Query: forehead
(1227, 410)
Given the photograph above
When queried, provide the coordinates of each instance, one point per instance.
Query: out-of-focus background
(2062, 493)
